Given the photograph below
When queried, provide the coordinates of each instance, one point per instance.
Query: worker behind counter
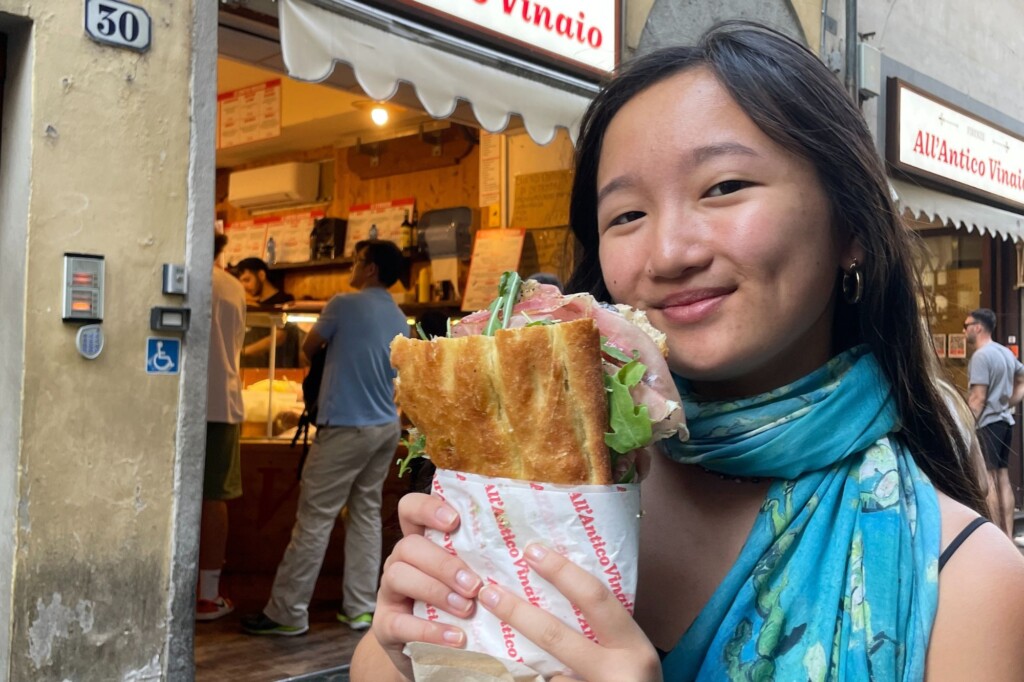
(261, 292)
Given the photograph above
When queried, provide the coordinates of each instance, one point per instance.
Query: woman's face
(720, 234)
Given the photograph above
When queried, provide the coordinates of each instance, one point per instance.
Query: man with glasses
(996, 380)
(357, 433)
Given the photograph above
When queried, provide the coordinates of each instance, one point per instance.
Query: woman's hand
(420, 570)
(624, 653)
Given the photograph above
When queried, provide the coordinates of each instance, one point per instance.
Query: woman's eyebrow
(621, 182)
(698, 156)
(708, 152)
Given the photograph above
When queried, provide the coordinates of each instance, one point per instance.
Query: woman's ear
(853, 252)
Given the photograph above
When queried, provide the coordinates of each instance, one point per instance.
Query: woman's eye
(627, 217)
(727, 187)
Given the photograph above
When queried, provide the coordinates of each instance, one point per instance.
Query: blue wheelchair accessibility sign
(162, 355)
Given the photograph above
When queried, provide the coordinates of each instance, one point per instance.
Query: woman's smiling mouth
(692, 306)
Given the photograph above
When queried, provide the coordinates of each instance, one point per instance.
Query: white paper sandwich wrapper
(595, 526)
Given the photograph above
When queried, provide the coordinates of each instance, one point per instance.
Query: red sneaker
(212, 610)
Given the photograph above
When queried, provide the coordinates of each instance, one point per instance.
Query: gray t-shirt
(994, 366)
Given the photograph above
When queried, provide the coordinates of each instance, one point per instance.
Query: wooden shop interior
(303, 171)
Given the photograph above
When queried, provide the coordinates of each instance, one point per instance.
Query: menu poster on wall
(490, 168)
(542, 199)
(494, 252)
(957, 346)
(386, 216)
(246, 239)
(249, 114)
(291, 237)
(939, 341)
(252, 238)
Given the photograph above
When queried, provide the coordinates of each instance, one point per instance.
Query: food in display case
(272, 395)
(277, 402)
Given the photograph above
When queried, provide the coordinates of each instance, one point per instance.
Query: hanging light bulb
(379, 115)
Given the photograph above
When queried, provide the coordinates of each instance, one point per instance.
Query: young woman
(732, 190)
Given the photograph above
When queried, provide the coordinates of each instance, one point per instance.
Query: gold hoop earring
(853, 284)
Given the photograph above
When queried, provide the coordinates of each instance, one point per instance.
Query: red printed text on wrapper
(597, 543)
(509, 635)
(509, 537)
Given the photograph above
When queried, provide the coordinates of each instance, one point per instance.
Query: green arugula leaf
(414, 445)
(501, 307)
(630, 423)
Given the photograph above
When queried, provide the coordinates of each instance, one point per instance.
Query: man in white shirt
(222, 479)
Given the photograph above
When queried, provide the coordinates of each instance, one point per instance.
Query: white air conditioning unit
(287, 184)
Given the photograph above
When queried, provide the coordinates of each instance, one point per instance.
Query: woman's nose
(680, 243)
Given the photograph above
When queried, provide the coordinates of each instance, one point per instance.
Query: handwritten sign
(494, 252)
(542, 199)
(249, 114)
(547, 250)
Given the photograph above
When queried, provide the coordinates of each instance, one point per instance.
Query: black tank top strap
(959, 540)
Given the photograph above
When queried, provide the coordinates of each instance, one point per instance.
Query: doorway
(15, 138)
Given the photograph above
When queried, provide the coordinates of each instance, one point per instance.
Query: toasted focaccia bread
(526, 403)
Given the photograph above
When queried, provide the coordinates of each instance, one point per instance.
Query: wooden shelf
(337, 263)
(413, 308)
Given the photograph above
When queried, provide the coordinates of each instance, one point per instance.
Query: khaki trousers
(346, 466)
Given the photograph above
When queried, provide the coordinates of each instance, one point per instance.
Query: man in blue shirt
(357, 433)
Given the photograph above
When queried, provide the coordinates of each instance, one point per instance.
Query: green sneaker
(259, 624)
(361, 622)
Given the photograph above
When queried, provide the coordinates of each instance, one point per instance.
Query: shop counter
(260, 522)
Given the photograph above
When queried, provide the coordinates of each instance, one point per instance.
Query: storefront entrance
(962, 271)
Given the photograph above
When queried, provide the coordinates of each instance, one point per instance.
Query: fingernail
(536, 552)
(445, 515)
(466, 580)
(452, 636)
(458, 602)
(490, 596)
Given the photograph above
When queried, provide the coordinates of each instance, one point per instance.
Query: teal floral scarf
(838, 579)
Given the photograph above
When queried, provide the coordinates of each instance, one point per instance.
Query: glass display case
(273, 365)
(273, 368)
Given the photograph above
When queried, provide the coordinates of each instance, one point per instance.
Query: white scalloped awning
(961, 213)
(384, 50)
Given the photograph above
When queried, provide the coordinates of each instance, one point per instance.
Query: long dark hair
(795, 100)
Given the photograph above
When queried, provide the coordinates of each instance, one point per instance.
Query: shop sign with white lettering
(118, 23)
(947, 144)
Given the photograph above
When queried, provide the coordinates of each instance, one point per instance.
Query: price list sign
(275, 239)
(249, 114)
(291, 237)
(246, 239)
(383, 219)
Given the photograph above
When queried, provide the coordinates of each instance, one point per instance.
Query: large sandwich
(539, 387)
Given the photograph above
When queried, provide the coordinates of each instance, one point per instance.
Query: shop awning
(961, 213)
(384, 50)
